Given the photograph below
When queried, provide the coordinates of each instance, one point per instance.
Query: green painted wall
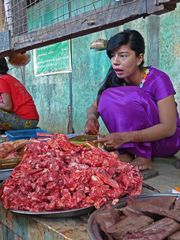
(51, 93)
(169, 53)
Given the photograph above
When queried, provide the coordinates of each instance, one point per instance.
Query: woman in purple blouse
(137, 105)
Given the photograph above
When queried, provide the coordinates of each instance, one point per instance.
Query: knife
(83, 138)
(145, 185)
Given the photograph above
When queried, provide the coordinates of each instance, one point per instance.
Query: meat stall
(51, 193)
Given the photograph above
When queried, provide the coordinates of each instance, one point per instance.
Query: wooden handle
(9, 163)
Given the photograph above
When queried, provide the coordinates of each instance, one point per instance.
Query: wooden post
(153, 40)
(2, 17)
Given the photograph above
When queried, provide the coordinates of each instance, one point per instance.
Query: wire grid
(23, 16)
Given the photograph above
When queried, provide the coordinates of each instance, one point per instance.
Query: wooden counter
(24, 227)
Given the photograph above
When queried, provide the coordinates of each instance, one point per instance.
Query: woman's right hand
(92, 125)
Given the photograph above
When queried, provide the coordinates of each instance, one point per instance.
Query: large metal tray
(58, 214)
(93, 229)
(5, 173)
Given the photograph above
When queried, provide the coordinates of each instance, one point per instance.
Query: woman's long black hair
(136, 43)
(111, 80)
(3, 66)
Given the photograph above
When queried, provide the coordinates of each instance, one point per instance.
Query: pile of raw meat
(60, 175)
(151, 218)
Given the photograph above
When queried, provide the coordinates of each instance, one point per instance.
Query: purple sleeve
(163, 86)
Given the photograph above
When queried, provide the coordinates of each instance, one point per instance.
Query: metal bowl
(5, 173)
(58, 214)
(95, 233)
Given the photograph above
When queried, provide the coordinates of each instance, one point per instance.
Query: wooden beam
(89, 22)
(161, 6)
(110, 16)
(167, 1)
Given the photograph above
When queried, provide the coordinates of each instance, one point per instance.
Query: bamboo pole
(3, 25)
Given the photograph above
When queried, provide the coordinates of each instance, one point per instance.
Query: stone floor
(169, 175)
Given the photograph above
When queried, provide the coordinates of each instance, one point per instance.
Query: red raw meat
(60, 175)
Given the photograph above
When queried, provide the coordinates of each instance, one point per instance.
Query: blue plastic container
(14, 135)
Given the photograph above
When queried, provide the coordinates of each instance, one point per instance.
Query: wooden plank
(161, 6)
(26, 227)
(167, 1)
(163, 1)
(86, 23)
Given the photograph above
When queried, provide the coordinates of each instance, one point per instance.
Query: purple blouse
(131, 108)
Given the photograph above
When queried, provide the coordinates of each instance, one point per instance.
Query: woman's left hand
(114, 140)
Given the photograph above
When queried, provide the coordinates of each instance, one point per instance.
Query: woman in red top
(17, 108)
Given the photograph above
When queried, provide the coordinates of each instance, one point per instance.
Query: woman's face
(125, 62)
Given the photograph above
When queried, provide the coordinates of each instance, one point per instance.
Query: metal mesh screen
(39, 17)
(28, 15)
(34, 23)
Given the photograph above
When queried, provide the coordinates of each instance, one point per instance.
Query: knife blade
(145, 185)
(83, 138)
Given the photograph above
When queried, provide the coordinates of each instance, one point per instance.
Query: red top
(23, 104)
